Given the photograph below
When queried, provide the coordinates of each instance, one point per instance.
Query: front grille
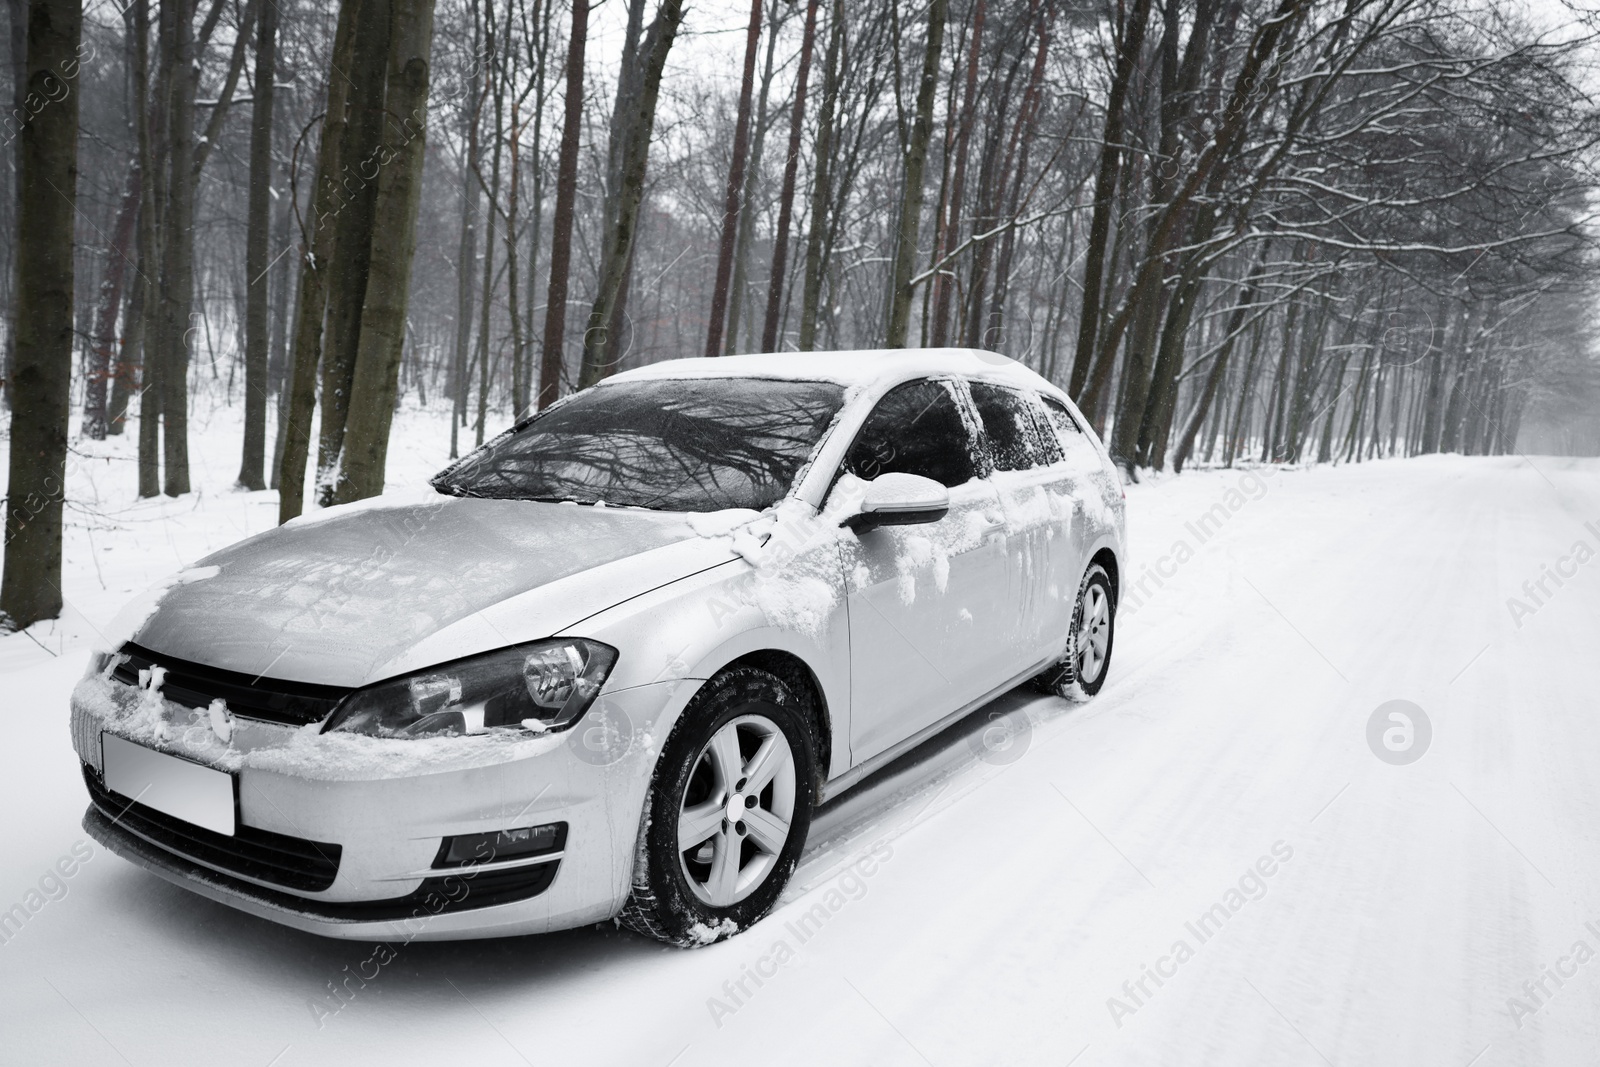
(294, 863)
(194, 685)
(460, 890)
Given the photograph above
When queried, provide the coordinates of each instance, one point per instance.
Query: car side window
(1061, 418)
(1074, 442)
(1012, 428)
(1050, 444)
(915, 429)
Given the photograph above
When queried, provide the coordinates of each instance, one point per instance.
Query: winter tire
(727, 812)
(1082, 671)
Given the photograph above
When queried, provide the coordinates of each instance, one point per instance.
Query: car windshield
(672, 444)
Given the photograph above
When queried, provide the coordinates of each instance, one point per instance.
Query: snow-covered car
(610, 663)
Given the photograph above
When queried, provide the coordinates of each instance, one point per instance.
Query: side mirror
(900, 500)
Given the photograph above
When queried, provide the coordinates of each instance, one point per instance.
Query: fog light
(500, 845)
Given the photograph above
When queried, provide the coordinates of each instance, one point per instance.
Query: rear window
(673, 445)
(1074, 442)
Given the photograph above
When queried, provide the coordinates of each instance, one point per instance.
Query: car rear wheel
(1082, 671)
(727, 813)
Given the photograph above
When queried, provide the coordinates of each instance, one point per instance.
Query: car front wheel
(727, 814)
(1082, 671)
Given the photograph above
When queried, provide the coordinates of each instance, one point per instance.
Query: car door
(926, 603)
(1035, 490)
(1086, 477)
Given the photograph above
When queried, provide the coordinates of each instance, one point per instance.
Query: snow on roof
(859, 368)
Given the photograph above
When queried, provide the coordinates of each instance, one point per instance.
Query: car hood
(359, 593)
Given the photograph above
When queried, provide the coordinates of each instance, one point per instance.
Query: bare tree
(394, 238)
(42, 369)
(252, 473)
(555, 313)
(915, 161)
(635, 160)
(357, 183)
(717, 318)
(316, 258)
(791, 168)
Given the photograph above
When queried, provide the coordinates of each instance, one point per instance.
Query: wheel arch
(1106, 558)
(797, 674)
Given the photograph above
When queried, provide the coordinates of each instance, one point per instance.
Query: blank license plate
(185, 790)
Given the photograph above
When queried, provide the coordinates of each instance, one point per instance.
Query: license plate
(178, 787)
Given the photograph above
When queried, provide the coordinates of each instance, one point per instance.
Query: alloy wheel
(735, 814)
(1094, 632)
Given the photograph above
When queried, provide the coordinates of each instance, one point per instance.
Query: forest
(1235, 231)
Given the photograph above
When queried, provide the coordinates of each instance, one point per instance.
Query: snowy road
(1208, 864)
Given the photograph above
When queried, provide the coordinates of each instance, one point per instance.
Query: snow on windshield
(668, 444)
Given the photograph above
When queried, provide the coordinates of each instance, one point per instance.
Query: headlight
(542, 686)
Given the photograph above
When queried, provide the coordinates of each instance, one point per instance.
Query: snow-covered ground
(1208, 864)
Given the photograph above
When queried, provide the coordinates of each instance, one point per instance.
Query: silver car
(607, 667)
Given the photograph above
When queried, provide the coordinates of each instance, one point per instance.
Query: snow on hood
(330, 600)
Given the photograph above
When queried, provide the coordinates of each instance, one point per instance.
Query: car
(607, 665)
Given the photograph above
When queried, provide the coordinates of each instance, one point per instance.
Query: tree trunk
(551, 356)
(278, 352)
(493, 80)
(1358, 406)
(17, 52)
(316, 257)
(125, 365)
(739, 286)
(730, 206)
(1432, 405)
(31, 587)
(821, 185)
(1133, 30)
(630, 75)
(1273, 431)
(992, 180)
(899, 319)
(151, 130)
(1312, 338)
(394, 240)
(1238, 430)
(1027, 126)
(175, 283)
(541, 67)
(635, 161)
(944, 281)
(257, 256)
(466, 263)
(358, 180)
(791, 166)
(466, 256)
(1219, 367)
(104, 341)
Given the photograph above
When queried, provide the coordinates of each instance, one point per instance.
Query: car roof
(860, 368)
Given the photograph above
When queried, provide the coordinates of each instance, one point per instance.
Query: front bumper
(383, 835)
